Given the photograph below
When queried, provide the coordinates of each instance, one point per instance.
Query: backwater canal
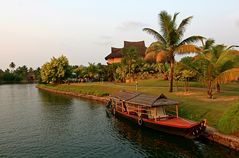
(34, 123)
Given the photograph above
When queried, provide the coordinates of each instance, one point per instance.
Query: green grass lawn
(194, 104)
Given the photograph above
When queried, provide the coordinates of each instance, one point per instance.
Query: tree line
(20, 74)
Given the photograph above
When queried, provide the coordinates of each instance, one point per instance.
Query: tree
(22, 72)
(93, 71)
(1, 75)
(12, 66)
(153, 54)
(37, 74)
(80, 71)
(111, 71)
(186, 75)
(130, 60)
(171, 40)
(55, 71)
(188, 63)
(121, 74)
(220, 64)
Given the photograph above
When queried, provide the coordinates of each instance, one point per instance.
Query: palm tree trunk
(209, 92)
(171, 75)
(218, 87)
(187, 87)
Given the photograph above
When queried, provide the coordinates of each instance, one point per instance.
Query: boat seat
(133, 113)
(144, 116)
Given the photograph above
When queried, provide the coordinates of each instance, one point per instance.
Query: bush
(229, 122)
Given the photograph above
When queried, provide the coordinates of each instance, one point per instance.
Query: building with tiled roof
(116, 53)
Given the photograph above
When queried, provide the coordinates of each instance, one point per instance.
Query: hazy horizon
(33, 31)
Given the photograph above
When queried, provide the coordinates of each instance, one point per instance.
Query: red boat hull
(171, 125)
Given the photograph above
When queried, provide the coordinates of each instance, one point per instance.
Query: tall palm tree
(12, 66)
(220, 64)
(171, 41)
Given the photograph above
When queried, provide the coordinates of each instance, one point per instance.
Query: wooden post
(177, 110)
(155, 116)
(139, 113)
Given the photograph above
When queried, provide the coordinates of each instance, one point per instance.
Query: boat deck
(167, 121)
(175, 122)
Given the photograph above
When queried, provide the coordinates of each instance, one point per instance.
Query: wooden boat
(155, 112)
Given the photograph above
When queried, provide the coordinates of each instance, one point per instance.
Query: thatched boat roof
(117, 52)
(144, 99)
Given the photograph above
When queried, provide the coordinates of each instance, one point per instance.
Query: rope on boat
(140, 121)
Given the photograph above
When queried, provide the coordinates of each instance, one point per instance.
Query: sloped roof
(141, 48)
(117, 52)
(144, 99)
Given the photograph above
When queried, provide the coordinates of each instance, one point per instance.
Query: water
(34, 123)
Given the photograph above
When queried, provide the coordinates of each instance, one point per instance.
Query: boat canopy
(144, 99)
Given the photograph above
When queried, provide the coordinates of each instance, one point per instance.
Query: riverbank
(227, 140)
(100, 91)
(85, 96)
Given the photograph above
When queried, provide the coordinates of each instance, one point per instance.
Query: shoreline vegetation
(191, 107)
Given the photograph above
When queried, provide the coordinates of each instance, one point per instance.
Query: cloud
(104, 37)
(131, 25)
(104, 40)
(104, 43)
(237, 23)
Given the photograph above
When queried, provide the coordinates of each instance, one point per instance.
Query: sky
(33, 31)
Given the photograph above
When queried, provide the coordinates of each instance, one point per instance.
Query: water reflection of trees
(56, 112)
(158, 144)
(54, 99)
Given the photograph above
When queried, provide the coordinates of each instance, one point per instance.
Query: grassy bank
(82, 89)
(193, 105)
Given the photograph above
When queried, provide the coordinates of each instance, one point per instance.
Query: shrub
(229, 122)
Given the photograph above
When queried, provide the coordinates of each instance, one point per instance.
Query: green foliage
(55, 71)
(21, 75)
(129, 66)
(89, 90)
(93, 72)
(11, 77)
(186, 74)
(111, 71)
(217, 60)
(229, 122)
(22, 72)
(186, 69)
(171, 41)
(219, 64)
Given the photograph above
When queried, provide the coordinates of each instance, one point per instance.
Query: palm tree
(153, 54)
(12, 65)
(130, 60)
(220, 64)
(92, 71)
(171, 40)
